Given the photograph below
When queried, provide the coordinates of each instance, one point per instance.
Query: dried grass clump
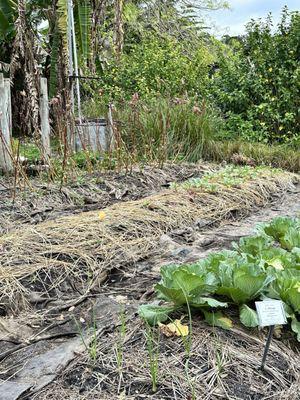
(72, 252)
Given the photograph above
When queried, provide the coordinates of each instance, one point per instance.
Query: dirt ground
(94, 346)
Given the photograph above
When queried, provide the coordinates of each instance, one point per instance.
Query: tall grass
(279, 156)
(163, 129)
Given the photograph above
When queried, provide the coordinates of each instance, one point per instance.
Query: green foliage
(230, 176)
(27, 150)
(284, 230)
(155, 314)
(257, 268)
(248, 316)
(279, 156)
(7, 12)
(82, 16)
(217, 319)
(158, 66)
(160, 129)
(257, 85)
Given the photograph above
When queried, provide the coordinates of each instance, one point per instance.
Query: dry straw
(71, 253)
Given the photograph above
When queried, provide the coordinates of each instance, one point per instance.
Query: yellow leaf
(226, 322)
(270, 69)
(277, 264)
(101, 215)
(175, 328)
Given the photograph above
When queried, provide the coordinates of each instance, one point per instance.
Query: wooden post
(6, 162)
(110, 133)
(9, 112)
(44, 115)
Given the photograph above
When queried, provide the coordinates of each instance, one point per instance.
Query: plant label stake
(270, 313)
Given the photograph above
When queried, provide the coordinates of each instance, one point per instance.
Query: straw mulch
(221, 365)
(71, 253)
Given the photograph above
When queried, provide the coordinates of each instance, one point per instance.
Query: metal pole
(70, 51)
(263, 362)
(75, 59)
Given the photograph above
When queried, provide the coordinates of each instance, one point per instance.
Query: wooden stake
(6, 162)
(44, 115)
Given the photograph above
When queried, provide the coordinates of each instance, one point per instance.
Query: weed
(119, 349)
(153, 353)
(92, 345)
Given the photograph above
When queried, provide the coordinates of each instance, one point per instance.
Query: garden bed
(75, 334)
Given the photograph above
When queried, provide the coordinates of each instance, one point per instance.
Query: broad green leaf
(278, 258)
(234, 293)
(226, 274)
(292, 297)
(8, 13)
(253, 245)
(83, 26)
(291, 239)
(207, 301)
(177, 296)
(295, 325)
(190, 282)
(217, 319)
(181, 286)
(279, 226)
(296, 254)
(248, 316)
(154, 314)
(288, 310)
(250, 282)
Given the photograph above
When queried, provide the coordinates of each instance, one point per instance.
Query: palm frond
(54, 62)
(83, 27)
(8, 9)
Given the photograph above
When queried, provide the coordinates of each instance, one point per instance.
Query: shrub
(257, 86)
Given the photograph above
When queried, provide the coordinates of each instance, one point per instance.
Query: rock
(202, 222)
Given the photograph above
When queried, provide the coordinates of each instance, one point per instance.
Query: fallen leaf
(278, 331)
(101, 215)
(175, 328)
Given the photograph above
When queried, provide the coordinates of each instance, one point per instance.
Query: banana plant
(54, 22)
(8, 10)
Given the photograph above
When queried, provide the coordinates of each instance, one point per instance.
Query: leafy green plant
(256, 268)
(257, 83)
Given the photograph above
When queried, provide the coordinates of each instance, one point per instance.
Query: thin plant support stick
(270, 334)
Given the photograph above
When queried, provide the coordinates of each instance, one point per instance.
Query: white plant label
(270, 312)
